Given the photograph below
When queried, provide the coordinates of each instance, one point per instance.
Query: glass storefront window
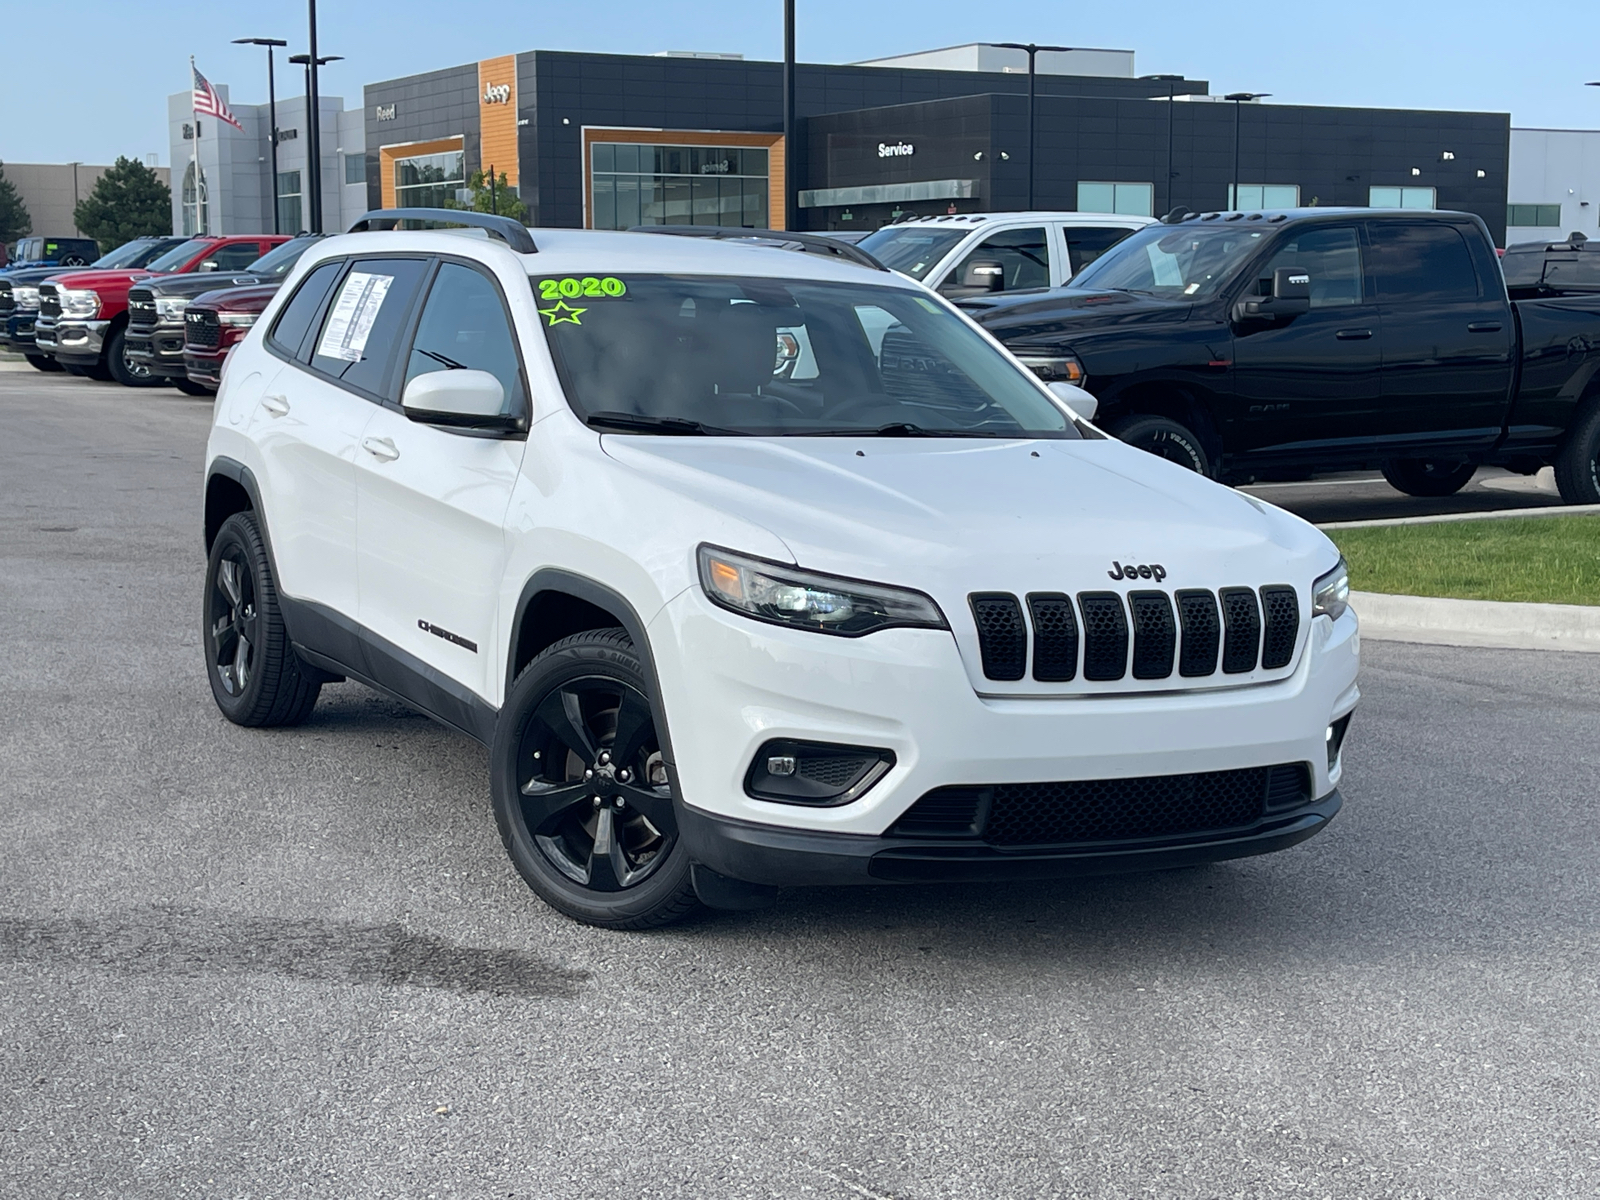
(429, 180)
(1255, 197)
(639, 184)
(289, 201)
(1401, 197)
(1129, 199)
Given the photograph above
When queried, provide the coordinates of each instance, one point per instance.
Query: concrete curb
(1498, 514)
(1493, 623)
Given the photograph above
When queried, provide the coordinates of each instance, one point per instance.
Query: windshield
(1189, 261)
(277, 262)
(911, 249)
(133, 254)
(769, 357)
(178, 255)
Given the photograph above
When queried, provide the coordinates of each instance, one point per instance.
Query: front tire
(124, 370)
(1165, 438)
(256, 677)
(1428, 476)
(1578, 464)
(581, 789)
(42, 362)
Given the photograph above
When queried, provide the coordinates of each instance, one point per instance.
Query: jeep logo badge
(1144, 571)
(497, 93)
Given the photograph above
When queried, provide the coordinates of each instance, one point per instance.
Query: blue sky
(106, 95)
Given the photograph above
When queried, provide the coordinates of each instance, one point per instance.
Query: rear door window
(361, 330)
(1421, 262)
(294, 322)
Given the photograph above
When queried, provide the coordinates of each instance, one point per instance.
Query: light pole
(314, 142)
(272, 114)
(790, 217)
(1032, 49)
(1239, 98)
(1172, 82)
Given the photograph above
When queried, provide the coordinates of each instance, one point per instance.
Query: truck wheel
(1165, 438)
(1428, 476)
(1578, 464)
(125, 371)
(42, 362)
(256, 677)
(581, 792)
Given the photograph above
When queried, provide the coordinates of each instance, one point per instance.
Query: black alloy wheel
(582, 791)
(234, 624)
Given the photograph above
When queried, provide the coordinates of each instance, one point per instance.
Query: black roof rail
(781, 239)
(512, 233)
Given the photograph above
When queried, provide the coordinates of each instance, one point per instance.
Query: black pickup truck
(1275, 345)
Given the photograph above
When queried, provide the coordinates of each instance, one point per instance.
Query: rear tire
(42, 362)
(256, 677)
(1428, 476)
(1165, 438)
(595, 837)
(1578, 464)
(120, 368)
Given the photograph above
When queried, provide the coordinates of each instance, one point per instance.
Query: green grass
(1544, 560)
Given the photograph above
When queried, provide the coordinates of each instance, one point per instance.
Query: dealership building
(611, 141)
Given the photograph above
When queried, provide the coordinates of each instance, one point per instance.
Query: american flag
(207, 101)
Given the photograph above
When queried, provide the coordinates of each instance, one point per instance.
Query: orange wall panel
(497, 119)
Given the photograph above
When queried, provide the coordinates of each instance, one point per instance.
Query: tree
(128, 201)
(500, 200)
(14, 219)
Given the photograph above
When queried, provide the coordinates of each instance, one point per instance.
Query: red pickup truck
(83, 315)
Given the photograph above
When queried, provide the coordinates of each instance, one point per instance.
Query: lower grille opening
(1107, 810)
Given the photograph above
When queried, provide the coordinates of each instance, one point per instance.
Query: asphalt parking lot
(269, 964)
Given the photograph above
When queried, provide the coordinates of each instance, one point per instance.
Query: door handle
(1484, 327)
(276, 405)
(381, 449)
(1353, 335)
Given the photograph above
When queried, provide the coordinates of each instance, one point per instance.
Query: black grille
(834, 772)
(49, 302)
(1106, 810)
(1282, 627)
(202, 329)
(1155, 634)
(8, 302)
(142, 310)
(1241, 643)
(1105, 636)
(911, 371)
(1202, 633)
(1002, 636)
(1055, 637)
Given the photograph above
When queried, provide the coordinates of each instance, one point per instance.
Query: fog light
(819, 773)
(1335, 739)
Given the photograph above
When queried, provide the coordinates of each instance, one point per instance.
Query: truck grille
(49, 301)
(202, 329)
(1015, 815)
(8, 302)
(142, 311)
(1250, 630)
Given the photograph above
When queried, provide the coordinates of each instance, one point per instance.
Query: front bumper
(17, 332)
(774, 857)
(205, 366)
(158, 347)
(75, 342)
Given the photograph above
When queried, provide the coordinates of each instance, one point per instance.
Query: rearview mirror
(984, 276)
(462, 398)
(1082, 404)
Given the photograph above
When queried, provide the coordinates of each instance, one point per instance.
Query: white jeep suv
(754, 568)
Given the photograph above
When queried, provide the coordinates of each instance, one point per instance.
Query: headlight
(27, 298)
(1330, 595)
(170, 308)
(78, 302)
(238, 320)
(783, 595)
(1054, 368)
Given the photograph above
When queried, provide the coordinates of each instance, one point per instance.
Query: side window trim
(307, 354)
(292, 354)
(414, 322)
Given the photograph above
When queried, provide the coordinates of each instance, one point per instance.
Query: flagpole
(198, 228)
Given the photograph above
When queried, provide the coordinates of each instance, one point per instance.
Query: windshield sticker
(590, 287)
(350, 323)
(562, 311)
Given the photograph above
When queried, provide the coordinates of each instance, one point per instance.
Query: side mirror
(984, 276)
(1082, 404)
(1291, 296)
(461, 398)
(205, 267)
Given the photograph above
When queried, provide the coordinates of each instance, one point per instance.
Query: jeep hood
(952, 517)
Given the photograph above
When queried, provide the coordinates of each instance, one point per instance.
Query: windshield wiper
(895, 429)
(449, 364)
(640, 423)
